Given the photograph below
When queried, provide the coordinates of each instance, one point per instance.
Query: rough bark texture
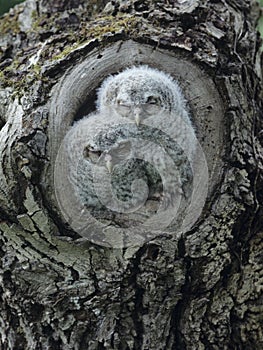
(201, 290)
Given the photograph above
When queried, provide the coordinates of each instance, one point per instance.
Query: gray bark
(198, 290)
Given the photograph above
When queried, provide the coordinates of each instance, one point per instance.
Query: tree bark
(201, 289)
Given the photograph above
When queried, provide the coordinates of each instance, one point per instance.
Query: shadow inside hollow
(87, 107)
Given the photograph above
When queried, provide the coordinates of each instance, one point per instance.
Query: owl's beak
(109, 165)
(137, 119)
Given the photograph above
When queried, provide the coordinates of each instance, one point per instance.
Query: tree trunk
(198, 289)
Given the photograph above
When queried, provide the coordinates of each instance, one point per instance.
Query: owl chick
(116, 171)
(160, 157)
(141, 92)
(108, 193)
(113, 177)
(110, 176)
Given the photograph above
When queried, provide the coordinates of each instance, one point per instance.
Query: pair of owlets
(135, 148)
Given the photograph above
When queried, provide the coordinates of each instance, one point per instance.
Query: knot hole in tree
(75, 117)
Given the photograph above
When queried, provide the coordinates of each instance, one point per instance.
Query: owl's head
(109, 158)
(139, 93)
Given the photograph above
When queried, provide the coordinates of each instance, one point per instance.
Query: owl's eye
(152, 105)
(91, 154)
(152, 100)
(122, 103)
(123, 107)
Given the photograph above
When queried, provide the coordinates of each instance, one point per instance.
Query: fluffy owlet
(141, 92)
(133, 156)
(119, 173)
